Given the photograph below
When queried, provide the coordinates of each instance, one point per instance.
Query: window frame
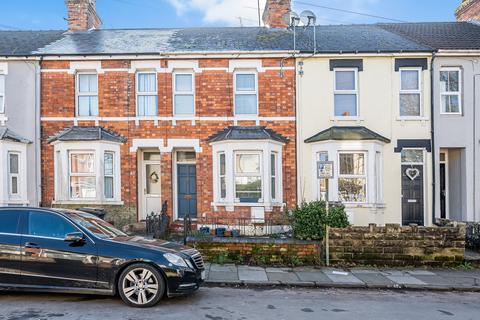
(260, 174)
(353, 176)
(14, 175)
(27, 224)
(346, 92)
(273, 175)
(235, 92)
(401, 91)
(2, 93)
(145, 94)
(451, 93)
(220, 176)
(71, 174)
(79, 94)
(183, 93)
(105, 175)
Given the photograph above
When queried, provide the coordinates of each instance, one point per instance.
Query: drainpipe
(475, 141)
(432, 133)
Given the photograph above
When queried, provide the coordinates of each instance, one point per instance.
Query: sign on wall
(325, 170)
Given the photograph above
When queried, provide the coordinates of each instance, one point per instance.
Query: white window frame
(414, 163)
(346, 92)
(220, 176)
(2, 93)
(79, 94)
(273, 176)
(105, 175)
(419, 71)
(230, 149)
(255, 92)
(62, 151)
(236, 174)
(14, 175)
(183, 93)
(452, 93)
(145, 94)
(79, 174)
(355, 176)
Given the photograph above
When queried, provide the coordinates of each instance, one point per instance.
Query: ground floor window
(87, 172)
(244, 176)
(352, 179)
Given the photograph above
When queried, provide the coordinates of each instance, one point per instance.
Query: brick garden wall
(258, 251)
(395, 245)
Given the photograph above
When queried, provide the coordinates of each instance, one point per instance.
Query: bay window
(450, 91)
(352, 179)
(87, 94)
(222, 176)
(108, 175)
(248, 177)
(246, 95)
(410, 92)
(183, 94)
(147, 97)
(346, 93)
(82, 175)
(13, 173)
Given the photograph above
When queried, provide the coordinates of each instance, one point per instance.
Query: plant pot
(213, 232)
(205, 230)
(220, 232)
(235, 233)
(228, 233)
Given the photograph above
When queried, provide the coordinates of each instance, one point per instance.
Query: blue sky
(50, 14)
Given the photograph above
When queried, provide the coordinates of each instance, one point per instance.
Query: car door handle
(31, 245)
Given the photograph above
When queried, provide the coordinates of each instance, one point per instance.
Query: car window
(48, 225)
(9, 221)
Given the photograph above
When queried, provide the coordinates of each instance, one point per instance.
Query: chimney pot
(82, 15)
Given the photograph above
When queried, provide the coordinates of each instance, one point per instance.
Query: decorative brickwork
(213, 98)
(394, 245)
(274, 13)
(258, 251)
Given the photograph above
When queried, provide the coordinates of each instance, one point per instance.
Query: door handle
(31, 245)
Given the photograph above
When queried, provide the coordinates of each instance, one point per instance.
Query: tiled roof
(439, 35)
(87, 133)
(7, 134)
(23, 43)
(247, 133)
(347, 133)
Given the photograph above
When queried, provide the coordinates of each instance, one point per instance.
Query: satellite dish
(308, 18)
(292, 19)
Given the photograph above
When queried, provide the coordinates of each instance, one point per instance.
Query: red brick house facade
(148, 149)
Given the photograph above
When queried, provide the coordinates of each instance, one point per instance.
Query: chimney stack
(274, 13)
(82, 15)
(469, 10)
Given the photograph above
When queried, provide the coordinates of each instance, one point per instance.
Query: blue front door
(187, 190)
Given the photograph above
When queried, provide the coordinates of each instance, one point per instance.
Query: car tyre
(141, 285)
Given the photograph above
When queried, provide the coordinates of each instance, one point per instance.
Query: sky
(50, 14)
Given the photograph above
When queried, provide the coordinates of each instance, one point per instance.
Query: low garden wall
(395, 245)
(258, 251)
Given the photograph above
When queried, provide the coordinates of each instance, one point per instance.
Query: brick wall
(394, 245)
(274, 13)
(258, 251)
(214, 98)
(468, 10)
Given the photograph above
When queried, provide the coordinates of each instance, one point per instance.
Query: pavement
(250, 304)
(415, 279)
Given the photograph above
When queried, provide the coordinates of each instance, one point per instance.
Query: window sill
(451, 113)
(19, 202)
(231, 205)
(413, 119)
(364, 205)
(95, 202)
(338, 119)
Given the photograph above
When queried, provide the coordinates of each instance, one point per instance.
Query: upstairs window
(147, 94)
(450, 91)
(246, 95)
(183, 94)
(346, 93)
(87, 94)
(410, 93)
(2, 93)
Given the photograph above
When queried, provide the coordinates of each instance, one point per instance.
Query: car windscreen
(95, 225)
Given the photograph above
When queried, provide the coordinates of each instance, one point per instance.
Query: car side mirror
(75, 237)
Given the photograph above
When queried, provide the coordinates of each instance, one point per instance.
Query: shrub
(309, 219)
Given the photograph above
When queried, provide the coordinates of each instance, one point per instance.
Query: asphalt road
(246, 304)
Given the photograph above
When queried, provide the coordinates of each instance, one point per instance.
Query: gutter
(432, 133)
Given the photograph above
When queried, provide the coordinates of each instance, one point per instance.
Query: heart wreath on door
(412, 173)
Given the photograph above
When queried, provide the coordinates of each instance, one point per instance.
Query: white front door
(150, 184)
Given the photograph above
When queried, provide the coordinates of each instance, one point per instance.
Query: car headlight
(175, 259)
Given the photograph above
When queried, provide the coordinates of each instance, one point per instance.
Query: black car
(70, 251)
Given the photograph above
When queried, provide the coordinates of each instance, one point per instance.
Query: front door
(151, 185)
(412, 194)
(48, 260)
(187, 190)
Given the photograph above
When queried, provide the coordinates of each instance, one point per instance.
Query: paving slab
(375, 279)
(420, 272)
(223, 268)
(316, 276)
(341, 276)
(246, 273)
(284, 277)
(223, 276)
(405, 280)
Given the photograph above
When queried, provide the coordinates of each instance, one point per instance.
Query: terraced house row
(232, 122)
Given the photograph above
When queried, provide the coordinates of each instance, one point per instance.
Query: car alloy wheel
(141, 285)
